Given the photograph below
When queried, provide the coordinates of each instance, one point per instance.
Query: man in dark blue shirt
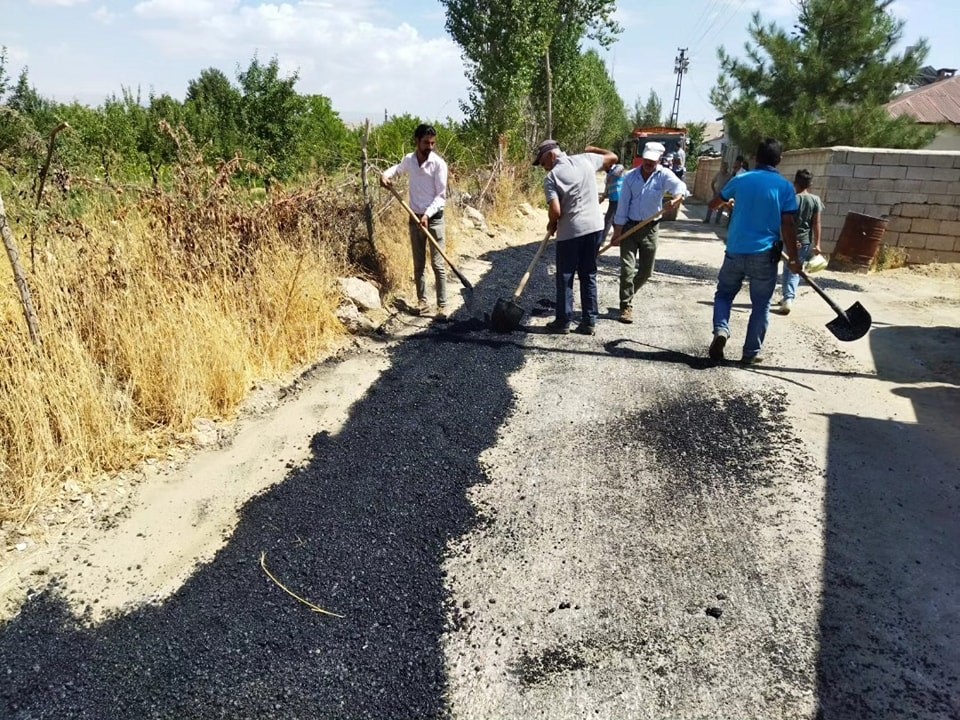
(763, 225)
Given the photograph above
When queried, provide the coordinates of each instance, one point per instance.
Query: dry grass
(157, 308)
(155, 312)
(890, 257)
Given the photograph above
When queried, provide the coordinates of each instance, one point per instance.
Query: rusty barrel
(860, 239)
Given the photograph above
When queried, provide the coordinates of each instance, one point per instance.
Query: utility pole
(680, 66)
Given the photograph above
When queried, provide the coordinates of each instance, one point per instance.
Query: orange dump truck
(672, 139)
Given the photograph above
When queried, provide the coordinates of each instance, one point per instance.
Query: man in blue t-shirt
(611, 194)
(762, 226)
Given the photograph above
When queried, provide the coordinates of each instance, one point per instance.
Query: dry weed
(890, 257)
(158, 306)
(156, 309)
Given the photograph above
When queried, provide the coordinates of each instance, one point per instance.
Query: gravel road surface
(541, 526)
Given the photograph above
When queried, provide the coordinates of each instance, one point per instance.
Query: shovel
(848, 325)
(631, 231)
(436, 246)
(507, 314)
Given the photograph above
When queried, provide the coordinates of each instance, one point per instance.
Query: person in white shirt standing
(641, 198)
(428, 196)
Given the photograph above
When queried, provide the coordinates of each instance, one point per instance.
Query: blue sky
(371, 56)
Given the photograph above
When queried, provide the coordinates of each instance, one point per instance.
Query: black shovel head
(506, 316)
(853, 326)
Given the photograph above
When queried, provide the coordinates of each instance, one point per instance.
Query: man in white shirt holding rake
(428, 195)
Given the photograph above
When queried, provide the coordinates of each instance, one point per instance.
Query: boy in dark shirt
(808, 235)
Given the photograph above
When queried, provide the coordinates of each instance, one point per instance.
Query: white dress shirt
(641, 199)
(428, 182)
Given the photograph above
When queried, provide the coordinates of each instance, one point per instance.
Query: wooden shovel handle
(819, 290)
(533, 263)
(631, 231)
(436, 245)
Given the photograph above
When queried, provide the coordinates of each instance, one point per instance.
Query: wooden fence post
(51, 146)
(19, 276)
(367, 201)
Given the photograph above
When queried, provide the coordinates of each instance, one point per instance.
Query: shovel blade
(852, 325)
(506, 316)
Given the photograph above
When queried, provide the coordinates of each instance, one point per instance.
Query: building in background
(937, 103)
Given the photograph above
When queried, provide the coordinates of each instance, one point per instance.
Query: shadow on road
(361, 531)
(910, 354)
(890, 621)
(890, 624)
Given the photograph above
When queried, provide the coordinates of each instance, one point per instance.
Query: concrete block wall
(706, 169)
(917, 191)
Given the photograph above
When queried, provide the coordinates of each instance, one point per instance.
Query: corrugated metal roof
(937, 102)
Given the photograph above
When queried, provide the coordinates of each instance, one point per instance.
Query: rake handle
(632, 230)
(466, 283)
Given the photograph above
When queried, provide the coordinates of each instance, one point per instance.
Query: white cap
(653, 151)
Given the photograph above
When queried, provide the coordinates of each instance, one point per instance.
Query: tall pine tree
(825, 83)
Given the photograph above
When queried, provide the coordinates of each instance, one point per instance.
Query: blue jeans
(791, 281)
(578, 256)
(762, 273)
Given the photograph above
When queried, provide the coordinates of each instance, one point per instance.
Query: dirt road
(534, 525)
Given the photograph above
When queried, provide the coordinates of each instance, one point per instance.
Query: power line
(704, 19)
(730, 17)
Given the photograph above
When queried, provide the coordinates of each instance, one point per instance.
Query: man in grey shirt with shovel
(574, 215)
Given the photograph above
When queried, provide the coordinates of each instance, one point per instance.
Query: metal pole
(680, 66)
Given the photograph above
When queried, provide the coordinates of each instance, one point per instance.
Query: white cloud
(344, 51)
(103, 15)
(182, 9)
(58, 3)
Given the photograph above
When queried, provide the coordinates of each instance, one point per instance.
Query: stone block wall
(706, 169)
(917, 191)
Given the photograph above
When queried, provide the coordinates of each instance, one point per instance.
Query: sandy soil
(656, 536)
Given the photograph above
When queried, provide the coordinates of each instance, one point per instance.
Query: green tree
(502, 44)
(695, 134)
(25, 100)
(507, 45)
(212, 114)
(325, 140)
(568, 22)
(826, 83)
(17, 131)
(4, 77)
(83, 149)
(271, 112)
(648, 114)
(590, 110)
(158, 147)
(119, 134)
